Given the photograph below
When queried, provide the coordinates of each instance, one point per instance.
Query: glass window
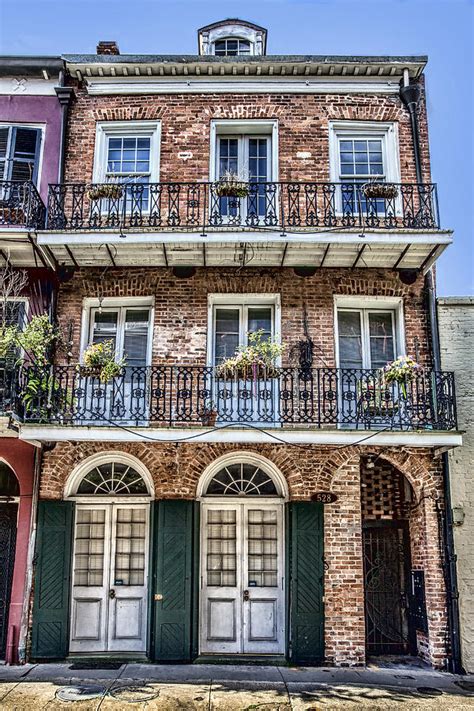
(366, 338)
(129, 157)
(232, 324)
(127, 328)
(231, 47)
(227, 333)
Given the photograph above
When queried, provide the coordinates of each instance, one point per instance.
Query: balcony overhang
(241, 435)
(386, 249)
(19, 248)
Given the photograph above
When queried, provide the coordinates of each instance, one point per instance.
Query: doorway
(242, 563)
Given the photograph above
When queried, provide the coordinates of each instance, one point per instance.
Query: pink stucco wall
(44, 110)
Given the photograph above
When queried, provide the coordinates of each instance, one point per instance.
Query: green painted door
(50, 635)
(306, 582)
(172, 590)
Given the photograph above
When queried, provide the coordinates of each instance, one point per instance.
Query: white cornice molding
(25, 86)
(100, 86)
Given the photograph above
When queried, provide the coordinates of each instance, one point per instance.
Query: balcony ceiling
(372, 249)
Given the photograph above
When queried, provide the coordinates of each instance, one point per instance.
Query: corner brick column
(344, 578)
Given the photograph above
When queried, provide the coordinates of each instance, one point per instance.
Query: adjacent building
(194, 508)
(456, 322)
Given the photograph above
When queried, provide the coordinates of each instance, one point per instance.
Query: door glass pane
(130, 547)
(228, 156)
(260, 318)
(262, 548)
(89, 555)
(105, 327)
(382, 347)
(226, 334)
(221, 561)
(135, 340)
(350, 339)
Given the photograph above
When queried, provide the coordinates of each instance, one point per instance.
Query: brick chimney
(108, 47)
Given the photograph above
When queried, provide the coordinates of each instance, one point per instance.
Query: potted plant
(112, 191)
(231, 185)
(208, 414)
(99, 361)
(253, 361)
(386, 191)
(401, 371)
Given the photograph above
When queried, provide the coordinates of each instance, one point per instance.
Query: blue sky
(440, 28)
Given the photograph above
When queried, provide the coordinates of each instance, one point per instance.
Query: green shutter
(50, 635)
(306, 582)
(173, 543)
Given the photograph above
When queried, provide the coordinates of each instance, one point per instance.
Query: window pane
(350, 339)
(105, 327)
(381, 339)
(227, 333)
(135, 340)
(260, 318)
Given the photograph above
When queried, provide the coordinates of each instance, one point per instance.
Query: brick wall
(176, 469)
(456, 326)
(181, 305)
(303, 126)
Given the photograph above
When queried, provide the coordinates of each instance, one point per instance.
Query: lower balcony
(189, 397)
(291, 224)
(21, 212)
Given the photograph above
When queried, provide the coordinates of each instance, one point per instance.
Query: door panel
(8, 521)
(242, 602)
(109, 594)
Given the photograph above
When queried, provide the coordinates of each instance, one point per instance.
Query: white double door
(110, 572)
(242, 578)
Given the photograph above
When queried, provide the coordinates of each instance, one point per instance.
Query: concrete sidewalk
(246, 688)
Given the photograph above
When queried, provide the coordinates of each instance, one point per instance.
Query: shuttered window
(19, 153)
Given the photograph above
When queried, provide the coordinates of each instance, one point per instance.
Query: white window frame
(90, 306)
(235, 128)
(42, 129)
(126, 129)
(388, 131)
(371, 304)
(242, 302)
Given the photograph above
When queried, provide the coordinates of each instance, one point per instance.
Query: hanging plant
(106, 190)
(386, 191)
(231, 185)
(99, 362)
(376, 398)
(254, 361)
(403, 370)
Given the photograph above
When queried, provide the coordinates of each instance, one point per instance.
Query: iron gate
(386, 566)
(8, 522)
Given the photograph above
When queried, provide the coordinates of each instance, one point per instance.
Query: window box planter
(111, 191)
(386, 191)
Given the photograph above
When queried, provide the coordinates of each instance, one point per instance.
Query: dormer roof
(232, 28)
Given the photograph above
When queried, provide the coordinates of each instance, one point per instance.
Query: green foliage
(101, 357)
(256, 359)
(37, 339)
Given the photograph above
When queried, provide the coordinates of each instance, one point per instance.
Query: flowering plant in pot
(253, 361)
(402, 371)
(374, 189)
(99, 361)
(231, 185)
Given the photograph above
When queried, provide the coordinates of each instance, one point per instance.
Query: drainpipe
(65, 95)
(410, 94)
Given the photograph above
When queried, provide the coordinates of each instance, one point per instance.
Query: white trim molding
(132, 129)
(243, 457)
(79, 472)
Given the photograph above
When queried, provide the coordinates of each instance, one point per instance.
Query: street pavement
(209, 687)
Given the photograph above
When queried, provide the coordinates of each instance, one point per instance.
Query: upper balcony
(199, 403)
(21, 211)
(294, 224)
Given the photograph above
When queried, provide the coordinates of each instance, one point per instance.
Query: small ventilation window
(231, 47)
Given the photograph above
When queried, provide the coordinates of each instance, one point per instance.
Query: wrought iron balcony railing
(21, 205)
(8, 387)
(183, 395)
(291, 206)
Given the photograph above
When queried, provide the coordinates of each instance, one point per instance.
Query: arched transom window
(241, 480)
(113, 479)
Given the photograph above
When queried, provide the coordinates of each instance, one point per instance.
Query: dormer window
(232, 38)
(231, 47)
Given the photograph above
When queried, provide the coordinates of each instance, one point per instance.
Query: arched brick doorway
(387, 500)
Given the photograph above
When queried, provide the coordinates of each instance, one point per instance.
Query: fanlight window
(242, 480)
(113, 479)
